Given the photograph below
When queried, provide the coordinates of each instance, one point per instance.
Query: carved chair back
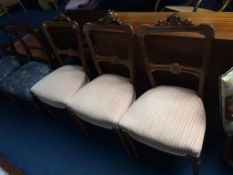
(16, 33)
(65, 40)
(175, 25)
(111, 41)
(85, 16)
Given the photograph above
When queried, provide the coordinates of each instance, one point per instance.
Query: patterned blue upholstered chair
(19, 82)
(8, 63)
(226, 96)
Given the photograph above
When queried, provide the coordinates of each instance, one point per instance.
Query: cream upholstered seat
(56, 88)
(103, 101)
(186, 9)
(168, 118)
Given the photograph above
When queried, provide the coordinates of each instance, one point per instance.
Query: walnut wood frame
(69, 52)
(8, 167)
(175, 23)
(110, 24)
(15, 30)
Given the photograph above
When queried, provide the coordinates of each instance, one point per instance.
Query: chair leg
(123, 141)
(196, 165)
(6, 11)
(132, 145)
(228, 149)
(48, 110)
(157, 5)
(21, 4)
(80, 125)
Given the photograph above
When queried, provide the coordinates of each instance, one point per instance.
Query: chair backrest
(65, 40)
(8, 3)
(84, 16)
(111, 41)
(166, 58)
(19, 32)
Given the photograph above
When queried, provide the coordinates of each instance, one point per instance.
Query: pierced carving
(176, 68)
(175, 20)
(109, 20)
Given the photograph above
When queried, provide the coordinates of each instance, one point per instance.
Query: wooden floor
(8, 167)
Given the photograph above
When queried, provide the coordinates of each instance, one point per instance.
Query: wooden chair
(171, 118)
(56, 88)
(8, 3)
(105, 99)
(8, 63)
(226, 97)
(19, 82)
(193, 6)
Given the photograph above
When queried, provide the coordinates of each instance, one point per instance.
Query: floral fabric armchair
(226, 95)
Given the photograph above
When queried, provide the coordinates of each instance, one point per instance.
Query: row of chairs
(168, 118)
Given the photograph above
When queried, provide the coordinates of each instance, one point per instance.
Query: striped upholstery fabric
(186, 9)
(171, 119)
(56, 88)
(103, 101)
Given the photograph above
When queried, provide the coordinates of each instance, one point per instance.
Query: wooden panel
(222, 22)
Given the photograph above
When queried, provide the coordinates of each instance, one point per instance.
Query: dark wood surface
(9, 168)
(220, 61)
(221, 22)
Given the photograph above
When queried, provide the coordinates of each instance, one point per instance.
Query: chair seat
(168, 118)
(19, 82)
(186, 9)
(56, 88)
(103, 101)
(8, 64)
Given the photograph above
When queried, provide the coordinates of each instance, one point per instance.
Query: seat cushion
(8, 64)
(20, 82)
(186, 9)
(168, 118)
(103, 101)
(56, 88)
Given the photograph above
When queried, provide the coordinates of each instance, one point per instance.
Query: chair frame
(110, 24)
(175, 23)
(197, 4)
(63, 21)
(14, 30)
(69, 52)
